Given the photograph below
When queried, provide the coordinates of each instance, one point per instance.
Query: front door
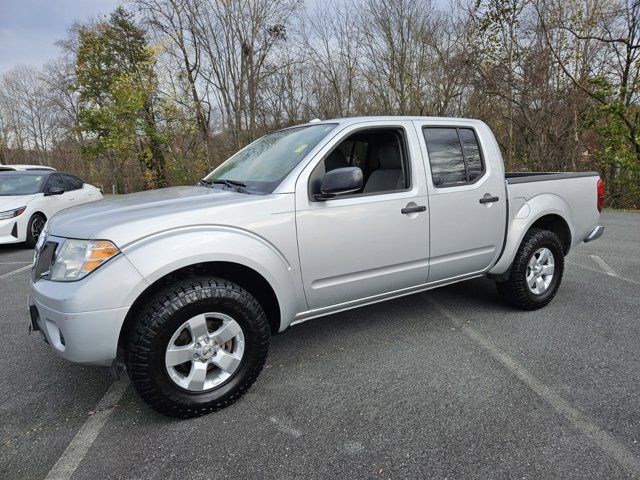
(361, 245)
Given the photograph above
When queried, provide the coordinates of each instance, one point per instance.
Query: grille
(44, 260)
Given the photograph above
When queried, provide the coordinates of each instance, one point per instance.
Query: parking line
(14, 263)
(79, 446)
(604, 265)
(581, 421)
(630, 280)
(22, 269)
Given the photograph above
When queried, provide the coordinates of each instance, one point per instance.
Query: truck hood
(14, 201)
(125, 218)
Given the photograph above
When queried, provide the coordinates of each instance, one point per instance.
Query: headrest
(389, 157)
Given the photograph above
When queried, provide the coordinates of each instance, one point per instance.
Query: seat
(389, 175)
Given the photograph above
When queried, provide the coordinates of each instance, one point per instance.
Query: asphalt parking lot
(444, 384)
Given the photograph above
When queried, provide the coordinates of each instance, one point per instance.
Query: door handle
(413, 209)
(489, 199)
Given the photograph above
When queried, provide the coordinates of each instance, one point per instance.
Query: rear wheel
(536, 272)
(197, 347)
(34, 229)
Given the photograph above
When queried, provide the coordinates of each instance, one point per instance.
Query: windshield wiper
(236, 185)
(230, 183)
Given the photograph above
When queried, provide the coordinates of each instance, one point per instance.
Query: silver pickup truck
(186, 285)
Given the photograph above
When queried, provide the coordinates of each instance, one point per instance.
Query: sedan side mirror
(54, 191)
(339, 182)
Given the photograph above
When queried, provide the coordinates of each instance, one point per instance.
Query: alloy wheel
(540, 271)
(205, 352)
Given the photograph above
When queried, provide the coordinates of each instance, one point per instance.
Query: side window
(73, 183)
(454, 155)
(471, 151)
(379, 153)
(56, 181)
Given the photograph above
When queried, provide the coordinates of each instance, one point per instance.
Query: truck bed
(574, 193)
(526, 177)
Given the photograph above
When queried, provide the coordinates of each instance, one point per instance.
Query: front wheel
(34, 229)
(197, 347)
(536, 271)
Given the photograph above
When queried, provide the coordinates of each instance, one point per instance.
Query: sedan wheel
(36, 227)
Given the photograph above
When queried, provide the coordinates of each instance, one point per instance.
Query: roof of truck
(392, 118)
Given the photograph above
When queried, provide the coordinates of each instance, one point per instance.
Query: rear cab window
(455, 157)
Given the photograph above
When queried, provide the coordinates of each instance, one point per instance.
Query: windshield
(20, 184)
(263, 164)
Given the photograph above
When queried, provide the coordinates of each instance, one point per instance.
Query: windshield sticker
(301, 148)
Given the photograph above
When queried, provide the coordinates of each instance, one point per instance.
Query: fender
(164, 252)
(522, 220)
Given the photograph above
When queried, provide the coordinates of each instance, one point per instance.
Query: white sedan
(29, 198)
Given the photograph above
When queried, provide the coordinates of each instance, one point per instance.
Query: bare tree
(239, 39)
(174, 20)
(332, 43)
(605, 66)
(28, 111)
(396, 54)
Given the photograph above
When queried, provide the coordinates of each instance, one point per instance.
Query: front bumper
(82, 320)
(594, 234)
(87, 337)
(10, 231)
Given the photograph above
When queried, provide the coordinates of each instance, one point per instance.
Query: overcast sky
(30, 28)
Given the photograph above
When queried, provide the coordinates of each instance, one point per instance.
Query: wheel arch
(557, 224)
(242, 275)
(38, 212)
(546, 211)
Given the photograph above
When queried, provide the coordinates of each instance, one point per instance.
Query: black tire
(515, 290)
(147, 343)
(36, 222)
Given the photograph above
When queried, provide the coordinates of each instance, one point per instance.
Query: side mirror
(54, 191)
(339, 182)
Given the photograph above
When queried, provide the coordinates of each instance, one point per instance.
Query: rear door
(76, 187)
(362, 245)
(466, 197)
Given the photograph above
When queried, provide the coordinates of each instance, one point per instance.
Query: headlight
(12, 213)
(78, 258)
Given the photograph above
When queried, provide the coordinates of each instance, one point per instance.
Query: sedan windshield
(20, 183)
(262, 165)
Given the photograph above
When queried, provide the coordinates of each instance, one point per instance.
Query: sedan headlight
(78, 258)
(12, 213)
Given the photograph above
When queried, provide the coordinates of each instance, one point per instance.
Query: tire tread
(151, 323)
(515, 291)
